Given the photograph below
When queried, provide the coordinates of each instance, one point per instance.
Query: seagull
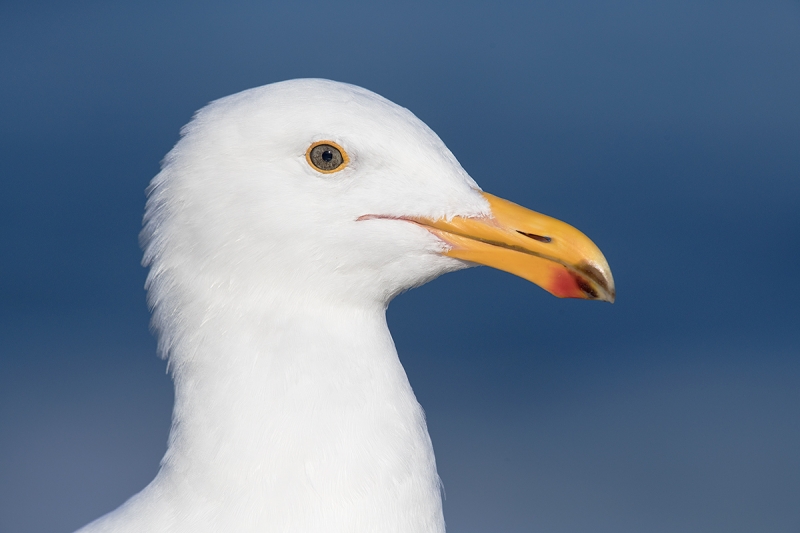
(278, 230)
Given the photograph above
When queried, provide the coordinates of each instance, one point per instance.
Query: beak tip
(609, 290)
(595, 279)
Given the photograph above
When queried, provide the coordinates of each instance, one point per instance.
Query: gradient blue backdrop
(668, 131)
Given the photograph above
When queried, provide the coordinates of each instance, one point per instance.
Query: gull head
(318, 191)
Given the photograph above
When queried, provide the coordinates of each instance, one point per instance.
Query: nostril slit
(535, 237)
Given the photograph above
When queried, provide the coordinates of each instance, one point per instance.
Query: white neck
(298, 421)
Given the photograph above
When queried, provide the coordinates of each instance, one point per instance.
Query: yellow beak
(541, 249)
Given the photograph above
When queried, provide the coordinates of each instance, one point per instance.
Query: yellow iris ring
(345, 157)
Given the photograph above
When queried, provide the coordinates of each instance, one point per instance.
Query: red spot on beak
(566, 284)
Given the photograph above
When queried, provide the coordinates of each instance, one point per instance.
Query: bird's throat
(310, 413)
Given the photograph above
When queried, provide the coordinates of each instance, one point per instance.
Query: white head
(240, 218)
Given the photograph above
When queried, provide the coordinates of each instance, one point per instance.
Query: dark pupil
(327, 155)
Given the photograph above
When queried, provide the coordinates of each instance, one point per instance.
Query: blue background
(669, 132)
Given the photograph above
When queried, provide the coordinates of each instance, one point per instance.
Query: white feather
(292, 410)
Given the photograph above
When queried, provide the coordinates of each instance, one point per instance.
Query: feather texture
(268, 289)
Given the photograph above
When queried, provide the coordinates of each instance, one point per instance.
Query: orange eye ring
(327, 157)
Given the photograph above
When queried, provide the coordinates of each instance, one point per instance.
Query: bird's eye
(327, 157)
